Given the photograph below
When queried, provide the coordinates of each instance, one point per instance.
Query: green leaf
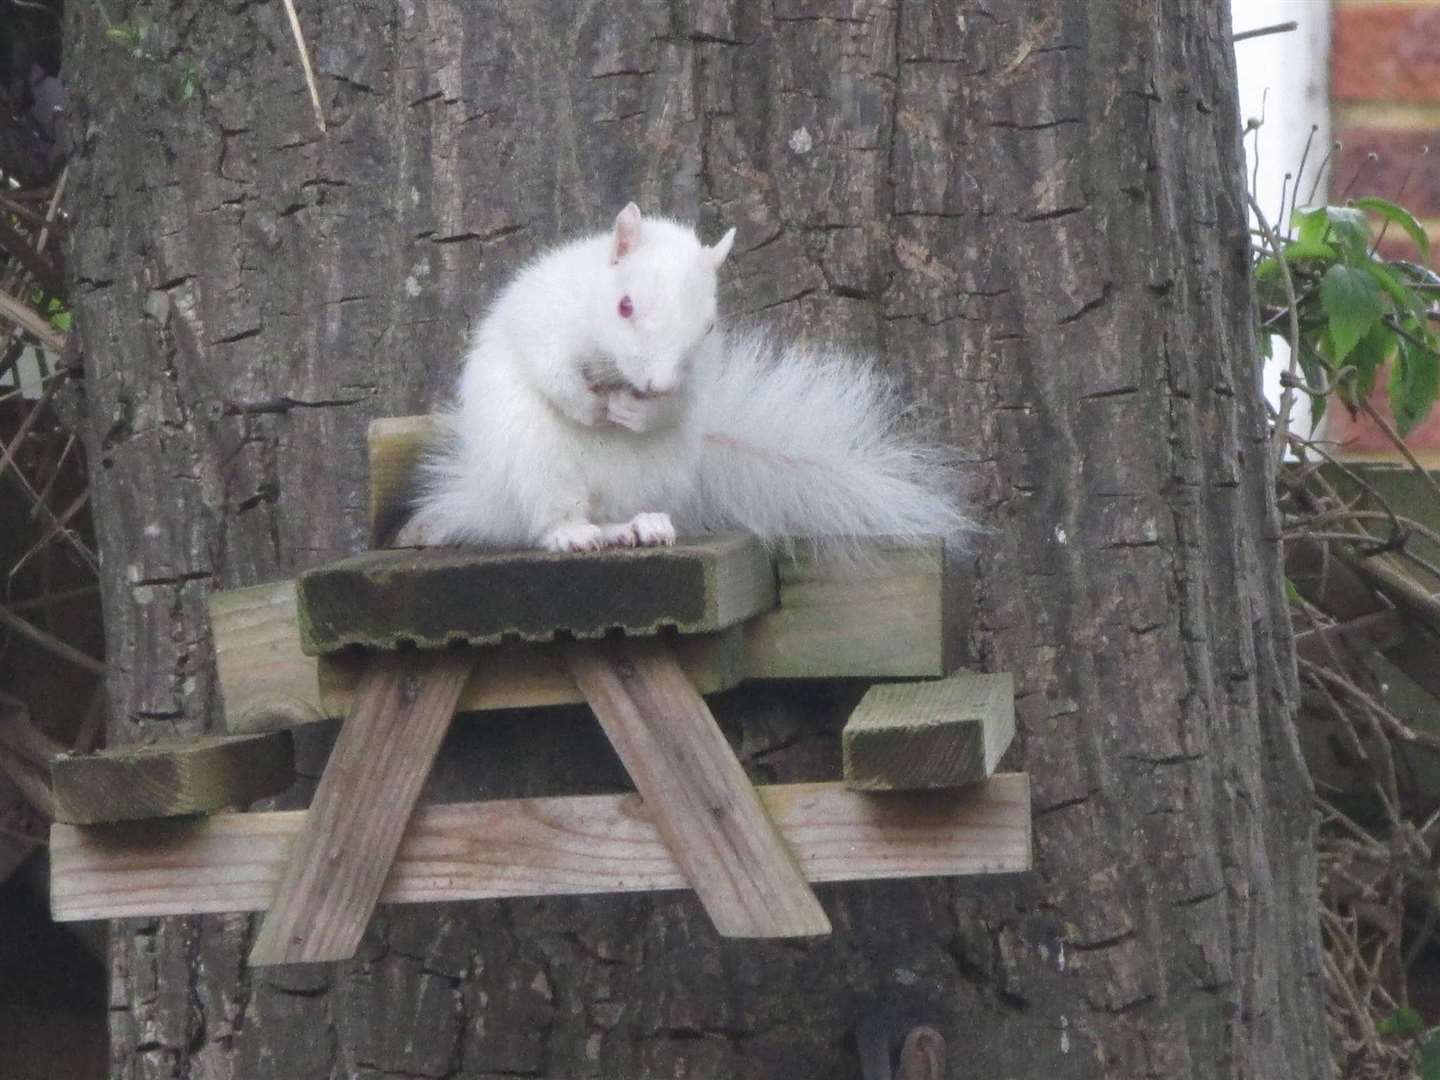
(1292, 594)
(1430, 1056)
(1414, 384)
(1404, 297)
(1269, 286)
(1350, 228)
(1404, 1022)
(1353, 303)
(1301, 250)
(1310, 224)
(1399, 216)
(1367, 358)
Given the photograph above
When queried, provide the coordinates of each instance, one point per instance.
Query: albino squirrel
(601, 405)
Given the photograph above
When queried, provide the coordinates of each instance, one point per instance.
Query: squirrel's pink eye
(627, 307)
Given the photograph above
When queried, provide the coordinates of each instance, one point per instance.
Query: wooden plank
(697, 792)
(436, 597)
(522, 675)
(171, 778)
(268, 684)
(266, 681)
(396, 444)
(936, 734)
(885, 618)
(338, 863)
(888, 620)
(536, 847)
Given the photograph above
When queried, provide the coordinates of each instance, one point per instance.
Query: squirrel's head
(658, 304)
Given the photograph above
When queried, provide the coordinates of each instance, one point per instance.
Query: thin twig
(1320, 171)
(53, 473)
(1398, 588)
(305, 63)
(53, 208)
(58, 597)
(58, 526)
(1284, 192)
(1263, 31)
(21, 211)
(51, 643)
(8, 451)
(31, 322)
(1300, 172)
(1354, 477)
(1371, 158)
(1287, 393)
(1404, 450)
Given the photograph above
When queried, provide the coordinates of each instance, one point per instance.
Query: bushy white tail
(808, 442)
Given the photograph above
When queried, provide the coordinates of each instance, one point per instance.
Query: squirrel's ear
(721, 249)
(627, 233)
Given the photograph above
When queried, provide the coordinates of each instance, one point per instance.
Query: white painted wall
(1285, 79)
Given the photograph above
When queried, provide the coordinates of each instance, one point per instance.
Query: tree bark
(1033, 215)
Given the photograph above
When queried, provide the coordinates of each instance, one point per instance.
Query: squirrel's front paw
(637, 412)
(574, 536)
(653, 530)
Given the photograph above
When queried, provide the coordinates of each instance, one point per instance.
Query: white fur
(577, 428)
(809, 442)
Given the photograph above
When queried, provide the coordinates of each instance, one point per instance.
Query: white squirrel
(600, 405)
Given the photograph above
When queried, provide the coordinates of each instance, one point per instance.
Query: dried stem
(1287, 392)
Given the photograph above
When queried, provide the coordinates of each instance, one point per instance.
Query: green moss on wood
(438, 597)
(938, 734)
(171, 778)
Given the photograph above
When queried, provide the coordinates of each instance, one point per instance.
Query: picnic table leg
(695, 790)
(341, 858)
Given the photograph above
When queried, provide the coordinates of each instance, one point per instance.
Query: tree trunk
(1035, 217)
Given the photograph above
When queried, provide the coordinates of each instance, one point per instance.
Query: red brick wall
(1385, 97)
(1385, 100)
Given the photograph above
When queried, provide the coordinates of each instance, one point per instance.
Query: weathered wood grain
(936, 734)
(537, 847)
(437, 597)
(396, 444)
(171, 778)
(336, 868)
(525, 675)
(696, 791)
(885, 618)
(266, 680)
